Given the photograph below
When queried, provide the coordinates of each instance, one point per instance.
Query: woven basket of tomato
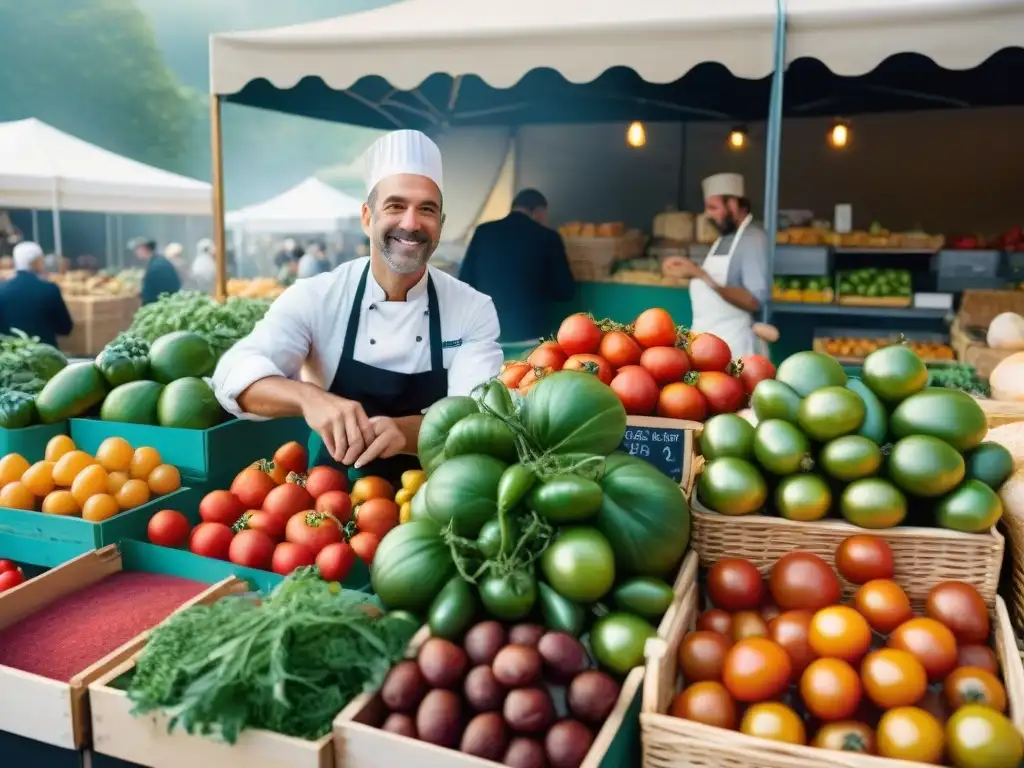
(780, 672)
(829, 455)
(654, 366)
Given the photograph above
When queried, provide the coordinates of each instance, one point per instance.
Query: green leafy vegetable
(17, 409)
(287, 664)
(220, 324)
(124, 359)
(960, 376)
(26, 364)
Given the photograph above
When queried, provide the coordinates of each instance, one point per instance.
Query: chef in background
(729, 289)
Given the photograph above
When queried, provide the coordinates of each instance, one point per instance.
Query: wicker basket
(592, 258)
(670, 742)
(979, 308)
(923, 556)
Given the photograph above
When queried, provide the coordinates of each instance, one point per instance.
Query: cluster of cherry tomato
(278, 517)
(780, 657)
(653, 365)
(10, 575)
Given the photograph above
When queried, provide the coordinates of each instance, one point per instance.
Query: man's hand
(342, 424)
(677, 266)
(389, 440)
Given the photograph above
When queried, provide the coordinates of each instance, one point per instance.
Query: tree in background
(92, 68)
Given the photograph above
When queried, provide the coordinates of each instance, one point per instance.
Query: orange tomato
(548, 355)
(69, 465)
(115, 454)
(16, 496)
(909, 733)
(133, 494)
(839, 632)
(115, 480)
(278, 474)
(366, 488)
(830, 689)
(893, 678)
(164, 479)
(930, 642)
(39, 478)
(771, 720)
(378, 516)
(12, 467)
(89, 482)
(58, 446)
(60, 503)
(100, 507)
(144, 461)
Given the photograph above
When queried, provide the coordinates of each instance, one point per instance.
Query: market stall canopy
(437, 63)
(849, 56)
(44, 168)
(310, 207)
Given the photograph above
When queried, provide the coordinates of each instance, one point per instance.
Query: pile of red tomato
(653, 365)
(10, 575)
(278, 517)
(779, 658)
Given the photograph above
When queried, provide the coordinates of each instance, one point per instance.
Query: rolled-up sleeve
(479, 357)
(753, 272)
(277, 346)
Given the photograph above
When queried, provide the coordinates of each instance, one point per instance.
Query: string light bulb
(839, 135)
(636, 134)
(738, 138)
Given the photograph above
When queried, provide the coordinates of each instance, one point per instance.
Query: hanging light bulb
(636, 134)
(839, 134)
(738, 138)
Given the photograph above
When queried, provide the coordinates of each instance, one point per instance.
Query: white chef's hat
(723, 184)
(25, 254)
(401, 152)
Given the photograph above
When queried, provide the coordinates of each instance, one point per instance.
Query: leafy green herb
(220, 324)
(26, 364)
(962, 377)
(288, 664)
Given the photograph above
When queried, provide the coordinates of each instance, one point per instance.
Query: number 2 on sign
(668, 453)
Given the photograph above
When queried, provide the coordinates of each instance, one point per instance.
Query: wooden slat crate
(98, 320)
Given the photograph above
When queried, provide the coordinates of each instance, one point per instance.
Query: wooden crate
(973, 352)
(592, 258)
(51, 711)
(98, 320)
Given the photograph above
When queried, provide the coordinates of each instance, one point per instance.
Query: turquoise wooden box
(49, 540)
(143, 556)
(30, 442)
(222, 450)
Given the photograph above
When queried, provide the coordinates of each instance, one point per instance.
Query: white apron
(713, 314)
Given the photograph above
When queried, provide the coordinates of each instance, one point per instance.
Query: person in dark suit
(521, 264)
(32, 304)
(160, 276)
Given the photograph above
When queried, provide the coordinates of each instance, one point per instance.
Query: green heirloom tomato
(803, 497)
(618, 641)
(481, 433)
(579, 564)
(925, 466)
(411, 566)
(873, 503)
(806, 372)
(463, 491)
(831, 412)
(774, 400)
(489, 539)
(876, 419)
(437, 423)
(732, 487)
(726, 435)
(972, 508)
(947, 414)
(895, 373)
(644, 596)
(850, 457)
(780, 447)
(509, 598)
(566, 499)
(990, 463)
(573, 412)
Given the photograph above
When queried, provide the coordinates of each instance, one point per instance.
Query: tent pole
(57, 245)
(773, 145)
(217, 176)
(35, 226)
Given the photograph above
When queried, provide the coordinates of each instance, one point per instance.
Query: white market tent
(43, 168)
(310, 207)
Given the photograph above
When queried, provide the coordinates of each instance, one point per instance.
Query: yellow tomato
(12, 467)
(39, 478)
(144, 461)
(88, 483)
(115, 480)
(100, 507)
(164, 479)
(60, 503)
(16, 496)
(404, 496)
(412, 479)
(58, 446)
(405, 513)
(115, 454)
(371, 487)
(133, 494)
(69, 465)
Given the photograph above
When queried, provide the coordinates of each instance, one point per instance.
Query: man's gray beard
(405, 266)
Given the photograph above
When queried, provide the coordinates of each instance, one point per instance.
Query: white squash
(1007, 379)
(1006, 331)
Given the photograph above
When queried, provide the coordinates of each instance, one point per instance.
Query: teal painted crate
(30, 442)
(49, 540)
(222, 450)
(143, 556)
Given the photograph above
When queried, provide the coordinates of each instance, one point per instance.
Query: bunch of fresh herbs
(220, 324)
(287, 664)
(26, 363)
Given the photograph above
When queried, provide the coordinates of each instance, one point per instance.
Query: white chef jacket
(304, 332)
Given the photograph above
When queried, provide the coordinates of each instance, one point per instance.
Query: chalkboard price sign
(665, 443)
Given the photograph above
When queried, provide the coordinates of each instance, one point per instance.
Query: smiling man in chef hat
(732, 284)
(382, 338)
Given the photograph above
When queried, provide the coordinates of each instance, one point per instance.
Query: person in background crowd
(520, 262)
(204, 266)
(32, 304)
(733, 283)
(175, 253)
(309, 264)
(160, 276)
(384, 338)
(52, 264)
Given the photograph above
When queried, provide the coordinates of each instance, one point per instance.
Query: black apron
(386, 393)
